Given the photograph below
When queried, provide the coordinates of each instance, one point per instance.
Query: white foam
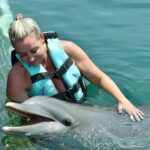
(6, 17)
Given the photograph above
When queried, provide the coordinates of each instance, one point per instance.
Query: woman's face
(32, 50)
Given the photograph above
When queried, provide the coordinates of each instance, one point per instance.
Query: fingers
(135, 117)
(138, 116)
(133, 112)
(132, 118)
(141, 114)
(120, 109)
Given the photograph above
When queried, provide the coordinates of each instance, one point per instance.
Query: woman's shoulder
(17, 72)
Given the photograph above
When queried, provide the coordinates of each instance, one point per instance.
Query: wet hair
(21, 27)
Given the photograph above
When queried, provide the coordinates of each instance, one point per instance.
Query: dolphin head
(53, 114)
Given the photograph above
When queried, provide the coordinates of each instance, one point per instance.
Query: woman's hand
(133, 112)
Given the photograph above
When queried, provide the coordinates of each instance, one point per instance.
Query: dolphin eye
(67, 122)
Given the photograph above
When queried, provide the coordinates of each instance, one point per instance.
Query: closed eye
(22, 54)
(34, 50)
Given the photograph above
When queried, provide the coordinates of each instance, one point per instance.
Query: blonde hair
(21, 28)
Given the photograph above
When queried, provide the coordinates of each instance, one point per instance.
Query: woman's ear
(42, 37)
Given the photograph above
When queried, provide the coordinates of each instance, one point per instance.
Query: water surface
(115, 34)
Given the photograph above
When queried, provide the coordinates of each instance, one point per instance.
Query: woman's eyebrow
(34, 48)
(20, 52)
(28, 50)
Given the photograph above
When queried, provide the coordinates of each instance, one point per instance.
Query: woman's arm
(98, 77)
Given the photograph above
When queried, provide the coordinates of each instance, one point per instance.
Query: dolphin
(91, 126)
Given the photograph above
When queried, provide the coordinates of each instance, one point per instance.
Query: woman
(38, 70)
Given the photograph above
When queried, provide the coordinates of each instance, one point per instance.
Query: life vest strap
(76, 87)
(56, 74)
(50, 35)
(69, 94)
(63, 69)
(41, 76)
(14, 59)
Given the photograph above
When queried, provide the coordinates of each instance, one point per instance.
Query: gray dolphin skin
(92, 127)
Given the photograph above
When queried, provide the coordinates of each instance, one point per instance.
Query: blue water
(115, 34)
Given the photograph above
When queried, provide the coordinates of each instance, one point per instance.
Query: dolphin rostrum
(94, 127)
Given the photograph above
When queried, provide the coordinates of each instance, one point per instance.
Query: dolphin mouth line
(39, 116)
(30, 117)
(33, 124)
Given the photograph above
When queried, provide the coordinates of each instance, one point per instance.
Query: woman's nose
(30, 57)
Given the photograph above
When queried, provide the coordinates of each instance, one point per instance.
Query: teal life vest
(65, 70)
